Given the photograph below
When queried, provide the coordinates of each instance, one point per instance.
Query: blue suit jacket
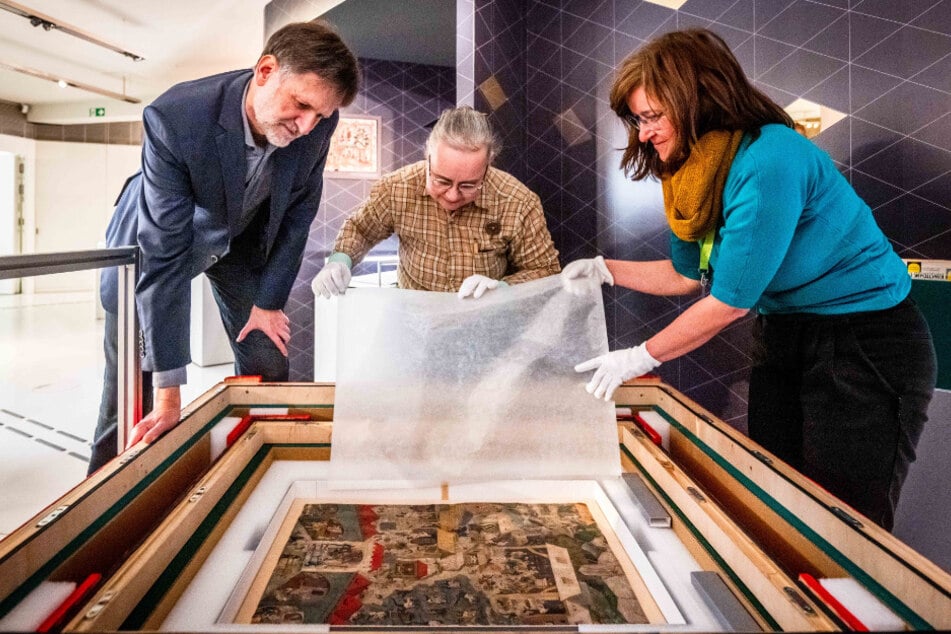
(182, 209)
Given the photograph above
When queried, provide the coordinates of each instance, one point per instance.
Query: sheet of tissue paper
(434, 389)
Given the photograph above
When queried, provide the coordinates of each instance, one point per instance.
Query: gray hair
(464, 129)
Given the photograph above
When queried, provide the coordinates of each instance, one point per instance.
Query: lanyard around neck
(706, 248)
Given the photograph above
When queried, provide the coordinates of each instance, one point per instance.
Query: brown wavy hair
(700, 86)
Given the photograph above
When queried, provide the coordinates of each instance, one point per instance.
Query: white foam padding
(198, 607)
(268, 411)
(219, 435)
(30, 613)
(670, 560)
(863, 604)
(659, 424)
(431, 388)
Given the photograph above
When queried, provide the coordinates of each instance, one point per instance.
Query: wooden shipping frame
(148, 520)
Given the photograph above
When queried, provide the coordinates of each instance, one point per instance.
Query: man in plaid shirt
(463, 226)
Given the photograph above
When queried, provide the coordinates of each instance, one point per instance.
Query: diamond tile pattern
(499, 45)
(885, 64)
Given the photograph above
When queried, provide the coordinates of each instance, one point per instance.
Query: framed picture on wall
(355, 148)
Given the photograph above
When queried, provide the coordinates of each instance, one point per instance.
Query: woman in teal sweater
(762, 220)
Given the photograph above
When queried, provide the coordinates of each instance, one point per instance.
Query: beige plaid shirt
(502, 234)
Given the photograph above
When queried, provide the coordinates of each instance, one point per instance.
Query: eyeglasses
(466, 188)
(644, 122)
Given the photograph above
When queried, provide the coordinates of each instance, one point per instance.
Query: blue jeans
(844, 399)
(234, 282)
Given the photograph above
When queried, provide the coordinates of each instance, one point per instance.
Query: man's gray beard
(278, 135)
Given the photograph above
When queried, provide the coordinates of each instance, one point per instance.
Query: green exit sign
(97, 112)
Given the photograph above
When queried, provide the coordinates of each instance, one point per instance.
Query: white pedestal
(209, 341)
(325, 316)
(325, 339)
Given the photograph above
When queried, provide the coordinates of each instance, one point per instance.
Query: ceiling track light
(48, 24)
(63, 82)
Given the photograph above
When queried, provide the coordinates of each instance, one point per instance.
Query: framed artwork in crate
(481, 559)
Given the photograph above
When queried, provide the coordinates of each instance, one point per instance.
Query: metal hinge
(845, 517)
(200, 491)
(796, 598)
(59, 510)
(129, 456)
(98, 607)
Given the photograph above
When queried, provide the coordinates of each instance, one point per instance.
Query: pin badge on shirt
(493, 228)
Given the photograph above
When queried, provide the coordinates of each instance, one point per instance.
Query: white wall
(76, 185)
(68, 195)
(9, 214)
(26, 150)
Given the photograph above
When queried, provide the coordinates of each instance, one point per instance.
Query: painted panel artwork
(472, 563)
(355, 148)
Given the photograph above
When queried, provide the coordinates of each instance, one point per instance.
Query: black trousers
(844, 399)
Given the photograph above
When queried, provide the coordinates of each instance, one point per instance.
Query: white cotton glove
(577, 276)
(476, 286)
(332, 279)
(613, 368)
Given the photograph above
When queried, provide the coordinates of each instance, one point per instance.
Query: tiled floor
(50, 380)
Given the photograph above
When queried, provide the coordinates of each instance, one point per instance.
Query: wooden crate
(149, 519)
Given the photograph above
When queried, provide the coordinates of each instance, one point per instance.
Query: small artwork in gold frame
(355, 148)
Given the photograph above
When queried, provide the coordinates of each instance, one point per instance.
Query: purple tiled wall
(885, 64)
(500, 67)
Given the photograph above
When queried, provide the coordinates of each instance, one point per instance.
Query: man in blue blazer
(232, 173)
